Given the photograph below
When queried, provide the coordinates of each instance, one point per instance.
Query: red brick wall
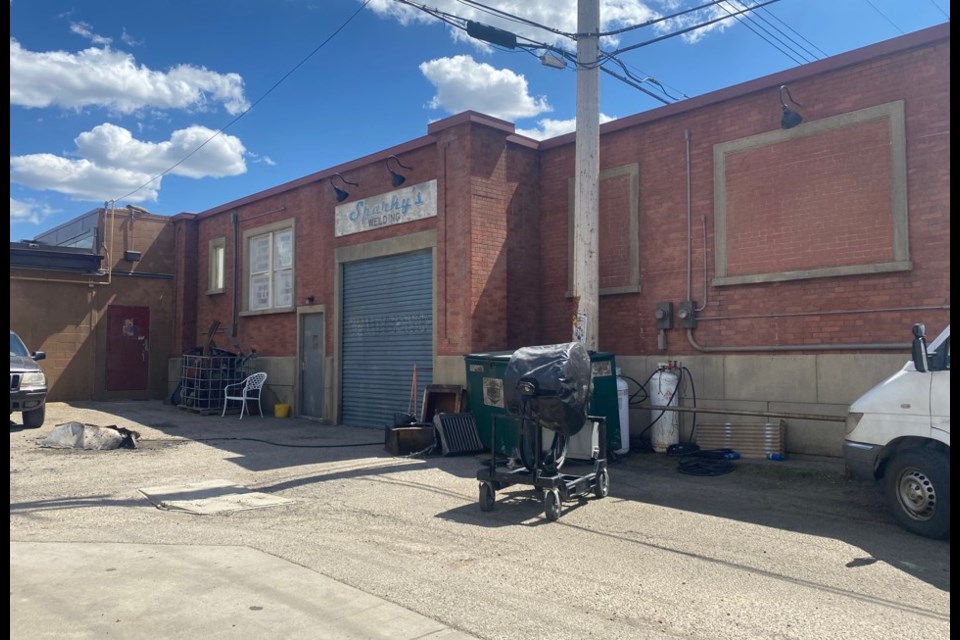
(503, 215)
(865, 309)
(818, 201)
(311, 206)
(454, 291)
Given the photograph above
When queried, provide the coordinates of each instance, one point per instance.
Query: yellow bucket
(281, 410)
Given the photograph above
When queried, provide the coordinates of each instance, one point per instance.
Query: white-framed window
(215, 273)
(268, 265)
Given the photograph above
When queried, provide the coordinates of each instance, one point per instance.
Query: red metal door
(128, 348)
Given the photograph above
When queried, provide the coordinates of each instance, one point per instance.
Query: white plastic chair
(247, 389)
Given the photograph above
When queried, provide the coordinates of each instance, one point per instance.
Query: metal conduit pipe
(88, 283)
(892, 346)
(751, 414)
(762, 316)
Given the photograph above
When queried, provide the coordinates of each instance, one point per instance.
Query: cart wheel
(551, 504)
(487, 496)
(602, 486)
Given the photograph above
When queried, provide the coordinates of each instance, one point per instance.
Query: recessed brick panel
(812, 202)
(614, 228)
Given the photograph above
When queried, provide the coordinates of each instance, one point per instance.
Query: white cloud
(113, 163)
(21, 211)
(102, 77)
(109, 145)
(85, 30)
(79, 179)
(464, 84)
(548, 128)
(258, 159)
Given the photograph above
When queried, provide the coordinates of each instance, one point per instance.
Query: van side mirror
(38, 355)
(919, 348)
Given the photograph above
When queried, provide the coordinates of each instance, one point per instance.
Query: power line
(945, 14)
(799, 35)
(746, 20)
(530, 44)
(885, 16)
(689, 29)
(514, 18)
(658, 20)
(794, 45)
(248, 109)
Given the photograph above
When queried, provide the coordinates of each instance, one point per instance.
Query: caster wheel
(487, 496)
(551, 504)
(602, 487)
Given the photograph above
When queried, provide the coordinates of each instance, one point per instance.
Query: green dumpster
(485, 394)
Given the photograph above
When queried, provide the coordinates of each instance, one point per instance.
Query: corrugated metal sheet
(387, 328)
(749, 440)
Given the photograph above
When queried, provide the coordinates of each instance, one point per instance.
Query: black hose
(693, 395)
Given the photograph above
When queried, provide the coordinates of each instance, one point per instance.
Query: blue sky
(123, 101)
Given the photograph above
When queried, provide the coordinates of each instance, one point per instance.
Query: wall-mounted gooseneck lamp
(790, 118)
(395, 177)
(341, 194)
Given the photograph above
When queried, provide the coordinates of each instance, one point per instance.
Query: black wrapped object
(554, 382)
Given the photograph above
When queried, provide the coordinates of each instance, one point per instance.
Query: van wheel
(34, 419)
(917, 490)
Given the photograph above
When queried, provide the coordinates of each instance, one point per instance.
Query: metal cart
(550, 380)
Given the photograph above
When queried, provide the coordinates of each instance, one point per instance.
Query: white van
(898, 433)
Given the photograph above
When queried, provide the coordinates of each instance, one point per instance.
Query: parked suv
(28, 385)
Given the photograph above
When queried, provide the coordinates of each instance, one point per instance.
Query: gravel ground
(772, 550)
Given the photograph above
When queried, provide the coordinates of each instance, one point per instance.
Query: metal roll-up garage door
(387, 328)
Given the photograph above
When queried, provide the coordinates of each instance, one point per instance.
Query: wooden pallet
(207, 411)
(749, 440)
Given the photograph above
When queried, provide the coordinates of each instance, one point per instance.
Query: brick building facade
(803, 255)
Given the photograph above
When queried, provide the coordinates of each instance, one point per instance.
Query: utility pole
(586, 213)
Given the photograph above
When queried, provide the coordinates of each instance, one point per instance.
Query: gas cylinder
(623, 405)
(663, 390)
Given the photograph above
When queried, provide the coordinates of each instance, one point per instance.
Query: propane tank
(623, 405)
(663, 392)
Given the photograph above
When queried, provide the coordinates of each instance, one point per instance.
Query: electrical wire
(648, 23)
(248, 109)
(746, 20)
(940, 9)
(689, 29)
(759, 16)
(885, 16)
(514, 18)
(797, 33)
(530, 44)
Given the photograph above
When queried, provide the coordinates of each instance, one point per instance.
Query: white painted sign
(394, 207)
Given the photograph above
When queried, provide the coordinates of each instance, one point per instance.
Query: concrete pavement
(110, 590)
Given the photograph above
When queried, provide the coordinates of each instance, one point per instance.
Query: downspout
(686, 137)
(235, 220)
(703, 225)
(703, 230)
(113, 219)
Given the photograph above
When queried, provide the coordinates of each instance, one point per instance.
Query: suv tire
(34, 419)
